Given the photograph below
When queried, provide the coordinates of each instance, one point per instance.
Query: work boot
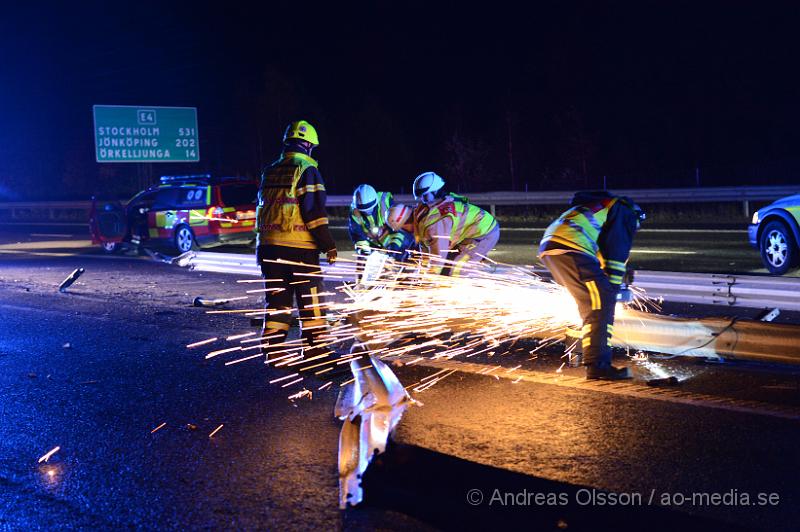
(607, 372)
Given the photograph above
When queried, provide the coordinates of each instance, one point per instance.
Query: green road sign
(130, 134)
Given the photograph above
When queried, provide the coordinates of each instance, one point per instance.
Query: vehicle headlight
(755, 217)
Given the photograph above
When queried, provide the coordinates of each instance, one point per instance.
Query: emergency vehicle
(184, 212)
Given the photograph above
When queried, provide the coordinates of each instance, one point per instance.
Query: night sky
(553, 96)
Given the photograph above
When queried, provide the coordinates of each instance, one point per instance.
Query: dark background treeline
(557, 96)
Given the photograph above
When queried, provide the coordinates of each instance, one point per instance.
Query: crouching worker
(369, 230)
(451, 228)
(586, 249)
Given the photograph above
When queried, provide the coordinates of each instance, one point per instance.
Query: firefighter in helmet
(369, 213)
(454, 231)
(292, 227)
(586, 249)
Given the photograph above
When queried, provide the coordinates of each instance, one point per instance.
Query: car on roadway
(775, 232)
(183, 212)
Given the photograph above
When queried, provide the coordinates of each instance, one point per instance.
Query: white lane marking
(645, 230)
(52, 235)
(21, 253)
(48, 224)
(52, 244)
(663, 252)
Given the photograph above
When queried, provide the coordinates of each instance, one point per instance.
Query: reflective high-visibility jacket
(598, 224)
(291, 209)
(449, 222)
(367, 229)
(371, 230)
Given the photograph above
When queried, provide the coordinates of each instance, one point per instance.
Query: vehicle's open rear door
(108, 224)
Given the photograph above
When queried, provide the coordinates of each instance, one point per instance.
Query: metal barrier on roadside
(718, 289)
(55, 210)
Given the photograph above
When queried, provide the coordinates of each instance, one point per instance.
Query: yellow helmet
(301, 130)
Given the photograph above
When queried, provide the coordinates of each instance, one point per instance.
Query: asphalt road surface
(97, 369)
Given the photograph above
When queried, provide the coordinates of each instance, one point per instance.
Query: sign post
(131, 134)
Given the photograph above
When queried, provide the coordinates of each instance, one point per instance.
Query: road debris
(159, 257)
(66, 283)
(371, 407)
(302, 393)
(215, 431)
(67, 346)
(769, 315)
(158, 428)
(664, 381)
(51, 452)
(203, 302)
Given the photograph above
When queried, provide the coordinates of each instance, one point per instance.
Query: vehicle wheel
(110, 247)
(778, 249)
(184, 238)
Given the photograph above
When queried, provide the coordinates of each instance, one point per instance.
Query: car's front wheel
(778, 248)
(184, 238)
(110, 247)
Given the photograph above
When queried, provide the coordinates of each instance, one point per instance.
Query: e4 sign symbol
(146, 117)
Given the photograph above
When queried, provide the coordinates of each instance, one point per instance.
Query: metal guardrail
(749, 291)
(662, 195)
(53, 210)
(718, 289)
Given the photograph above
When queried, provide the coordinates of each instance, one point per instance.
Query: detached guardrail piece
(371, 407)
(727, 338)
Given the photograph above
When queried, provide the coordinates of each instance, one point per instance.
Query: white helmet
(398, 216)
(426, 186)
(365, 198)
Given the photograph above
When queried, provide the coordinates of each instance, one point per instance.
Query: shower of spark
(402, 312)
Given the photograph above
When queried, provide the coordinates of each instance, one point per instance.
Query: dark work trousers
(596, 298)
(286, 289)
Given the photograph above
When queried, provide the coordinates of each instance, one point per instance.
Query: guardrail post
(746, 207)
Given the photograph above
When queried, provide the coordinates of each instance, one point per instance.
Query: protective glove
(332, 254)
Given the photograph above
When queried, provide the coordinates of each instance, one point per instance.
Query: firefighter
(368, 229)
(447, 224)
(292, 226)
(586, 249)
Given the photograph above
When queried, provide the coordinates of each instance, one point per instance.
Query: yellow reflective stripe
(309, 188)
(615, 279)
(587, 329)
(456, 270)
(594, 295)
(313, 224)
(308, 324)
(617, 265)
(586, 342)
(315, 302)
(279, 325)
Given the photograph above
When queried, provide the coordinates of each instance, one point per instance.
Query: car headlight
(755, 217)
